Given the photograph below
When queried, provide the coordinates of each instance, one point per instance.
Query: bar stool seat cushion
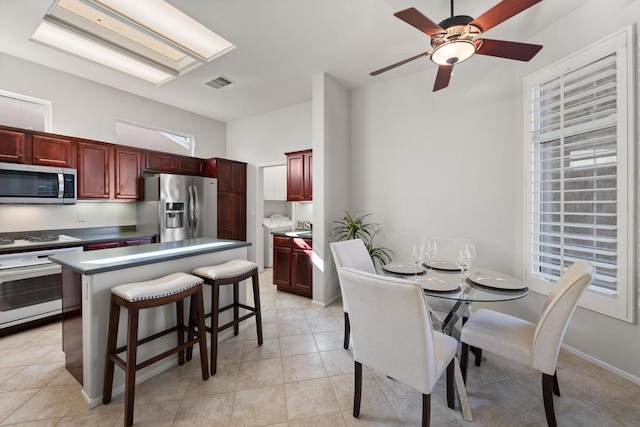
(227, 270)
(156, 288)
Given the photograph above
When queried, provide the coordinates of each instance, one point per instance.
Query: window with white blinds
(579, 133)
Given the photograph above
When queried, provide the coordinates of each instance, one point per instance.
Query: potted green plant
(357, 225)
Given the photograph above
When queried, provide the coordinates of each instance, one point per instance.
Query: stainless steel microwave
(31, 184)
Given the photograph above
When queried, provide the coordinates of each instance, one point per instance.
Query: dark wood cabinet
(300, 176)
(292, 266)
(232, 197)
(190, 166)
(138, 241)
(94, 170)
(127, 173)
(160, 162)
(101, 245)
(52, 151)
(12, 146)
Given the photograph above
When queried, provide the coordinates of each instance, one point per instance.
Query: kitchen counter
(88, 278)
(304, 234)
(94, 262)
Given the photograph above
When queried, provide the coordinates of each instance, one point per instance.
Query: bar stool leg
(215, 298)
(202, 332)
(114, 320)
(130, 374)
(256, 304)
(180, 331)
(236, 308)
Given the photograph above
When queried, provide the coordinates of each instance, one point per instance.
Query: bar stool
(153, 293)
(229, 273)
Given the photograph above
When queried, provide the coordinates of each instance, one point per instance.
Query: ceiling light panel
(165, 20)
(150, 32)
(70, 42)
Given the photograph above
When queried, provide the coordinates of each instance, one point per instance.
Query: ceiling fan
(455, 39)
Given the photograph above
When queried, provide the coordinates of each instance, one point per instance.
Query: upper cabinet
(127, 173)
(275, 183)
(53, 151)
(300, 176)
(94, 163)
(172, 163)
(12, 146)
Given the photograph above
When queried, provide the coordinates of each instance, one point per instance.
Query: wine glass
(471, 248)
(463, 261)
(416, 257)
(430, 251)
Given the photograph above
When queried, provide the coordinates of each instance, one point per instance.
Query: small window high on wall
(24, 112)
(152, 138)
(579, 128)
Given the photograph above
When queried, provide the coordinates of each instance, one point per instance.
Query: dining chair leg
(556, 386)
(347, 331)
(478, 355)
(357, 394)
(547, 395)
(180, 324)
(451, 397)
(426, 410)
(464, 360)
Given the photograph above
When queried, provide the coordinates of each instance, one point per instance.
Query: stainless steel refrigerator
(179, 207)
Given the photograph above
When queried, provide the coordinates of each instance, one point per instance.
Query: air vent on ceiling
(219, 82)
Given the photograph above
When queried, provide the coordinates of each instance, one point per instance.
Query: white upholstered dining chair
(392, 334)
(351, 254)
(534, 345)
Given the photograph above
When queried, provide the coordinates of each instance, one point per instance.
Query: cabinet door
(302, 268)
(160, 162)
(231, 216)
(127, 176)
(93, 170)
(282, 267)
(12, 146)
(308, 176)
(138, 242)
(49, 151)
(101, 245)
(295, 177)
(191, 166)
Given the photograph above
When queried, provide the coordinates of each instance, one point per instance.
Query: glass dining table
(478, 285)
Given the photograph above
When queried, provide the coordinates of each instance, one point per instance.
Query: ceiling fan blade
(501, 12)
(397, 64)
(416, 19)
(506, 49)
(443, 77)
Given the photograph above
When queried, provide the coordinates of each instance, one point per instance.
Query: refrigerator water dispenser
(174, 213)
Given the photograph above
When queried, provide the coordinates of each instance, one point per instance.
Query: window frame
(191, 139)
(624, 302)
(31, 100)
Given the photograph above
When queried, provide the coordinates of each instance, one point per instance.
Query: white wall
(86, 109)
(331, 124)
(451, 164)
(263, 139)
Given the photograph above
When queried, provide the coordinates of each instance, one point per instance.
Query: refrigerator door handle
(190, 216)
(196, 210)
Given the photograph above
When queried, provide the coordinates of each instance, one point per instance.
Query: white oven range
(30, 285)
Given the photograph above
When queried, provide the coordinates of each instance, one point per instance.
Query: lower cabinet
(292, 267)
(118, 243)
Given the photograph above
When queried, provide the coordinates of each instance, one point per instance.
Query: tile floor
(300, 376)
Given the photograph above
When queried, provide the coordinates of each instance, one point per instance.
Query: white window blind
(580, 172)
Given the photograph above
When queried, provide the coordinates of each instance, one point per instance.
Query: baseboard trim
(602, 364)
(328, 303)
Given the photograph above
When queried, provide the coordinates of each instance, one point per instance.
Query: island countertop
(93, 262)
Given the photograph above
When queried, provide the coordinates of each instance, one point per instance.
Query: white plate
(403, 268)
(434, 284)
(493, 279)
(444, 265)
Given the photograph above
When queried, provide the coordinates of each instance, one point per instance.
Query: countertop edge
(141, 255)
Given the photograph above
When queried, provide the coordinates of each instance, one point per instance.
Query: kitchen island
(87, 281)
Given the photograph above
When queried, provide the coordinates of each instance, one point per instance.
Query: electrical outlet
(81, 217)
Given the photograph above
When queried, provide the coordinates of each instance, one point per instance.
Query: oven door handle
(29, 273)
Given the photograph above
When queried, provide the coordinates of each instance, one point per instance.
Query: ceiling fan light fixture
(453, 52)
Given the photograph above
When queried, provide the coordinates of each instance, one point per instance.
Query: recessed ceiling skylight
(150, 32)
